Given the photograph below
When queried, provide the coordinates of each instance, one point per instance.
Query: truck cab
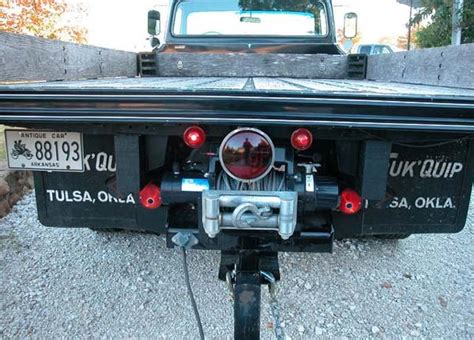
(247, 26)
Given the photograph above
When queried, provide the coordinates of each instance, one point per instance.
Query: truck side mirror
(154, 41)
(350, 25)
(154, 25)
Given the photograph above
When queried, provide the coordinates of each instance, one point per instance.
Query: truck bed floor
(289, 86)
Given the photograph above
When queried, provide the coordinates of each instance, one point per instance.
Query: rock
(4, 208)
(13, 184)
(375, 330)
(4, 187)
(442, 301)
(301, 328)
(308, 286)
(318, 331)
(13, 199)
(422, 307)
(414, 333)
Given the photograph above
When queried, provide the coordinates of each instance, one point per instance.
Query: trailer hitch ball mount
(250, 270)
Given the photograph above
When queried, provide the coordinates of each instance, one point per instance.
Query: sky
(122, 24)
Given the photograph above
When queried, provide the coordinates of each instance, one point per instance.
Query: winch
(252, 186)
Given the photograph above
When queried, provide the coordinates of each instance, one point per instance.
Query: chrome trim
(240, 121)
(232, 134)
(352, 100)
(215, 215)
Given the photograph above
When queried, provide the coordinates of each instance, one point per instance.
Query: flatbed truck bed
(246, 85)
(312, 102)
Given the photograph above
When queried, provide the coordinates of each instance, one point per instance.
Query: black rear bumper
(450, 114)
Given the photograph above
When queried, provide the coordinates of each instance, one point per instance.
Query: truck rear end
(253, 153)
(232, 166)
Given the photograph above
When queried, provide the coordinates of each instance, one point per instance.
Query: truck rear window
(250, 18)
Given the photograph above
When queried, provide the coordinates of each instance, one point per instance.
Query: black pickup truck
(250, 132)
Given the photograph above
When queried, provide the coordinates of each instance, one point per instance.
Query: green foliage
(438, 31)
(50, 19)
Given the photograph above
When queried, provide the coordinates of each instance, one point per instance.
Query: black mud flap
(92, 199)
(428, 191)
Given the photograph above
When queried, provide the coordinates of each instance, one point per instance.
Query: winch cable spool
(274, 181)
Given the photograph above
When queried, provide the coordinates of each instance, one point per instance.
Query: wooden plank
(451, 66)
(81, 62)
(256, 85)
(115, 63)
(26, 58)
(320, 66)
(274, 84)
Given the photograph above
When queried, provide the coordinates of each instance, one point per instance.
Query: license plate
(44, 151)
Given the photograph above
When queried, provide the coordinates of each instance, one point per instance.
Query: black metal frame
(151, 107)
(248, 268)
(247, 304)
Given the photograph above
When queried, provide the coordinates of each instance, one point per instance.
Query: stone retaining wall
(13, 185)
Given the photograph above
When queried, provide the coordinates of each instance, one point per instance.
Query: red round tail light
(302, 139)
(150, 196)
(351, 202)
(247, 154)
(194, 137)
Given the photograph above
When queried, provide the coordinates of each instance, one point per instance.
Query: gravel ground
(80, 283)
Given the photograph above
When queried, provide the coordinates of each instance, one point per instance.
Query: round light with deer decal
(247, 154)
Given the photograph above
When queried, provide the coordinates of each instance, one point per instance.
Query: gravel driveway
(80, 283)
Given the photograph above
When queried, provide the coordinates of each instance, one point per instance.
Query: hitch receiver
(249, 273)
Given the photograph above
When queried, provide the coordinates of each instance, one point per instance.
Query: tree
(50, 19)
(438, 31)
(402, 41)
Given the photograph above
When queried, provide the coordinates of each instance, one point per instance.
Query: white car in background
(374, 49)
